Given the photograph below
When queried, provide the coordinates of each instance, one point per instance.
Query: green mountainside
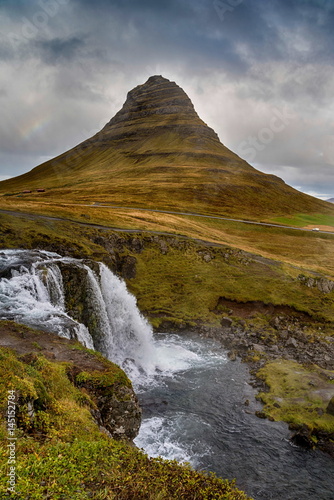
(157, 153)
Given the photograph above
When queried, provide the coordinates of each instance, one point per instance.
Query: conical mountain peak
(157, 152)
(157, 104)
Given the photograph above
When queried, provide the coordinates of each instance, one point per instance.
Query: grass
(191, 287)
(306, 220)
(313, 251)
(298, 395)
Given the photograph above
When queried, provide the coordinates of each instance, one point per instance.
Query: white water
(174, 433)
(32, 292)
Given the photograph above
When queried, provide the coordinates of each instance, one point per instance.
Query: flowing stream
(193, 397)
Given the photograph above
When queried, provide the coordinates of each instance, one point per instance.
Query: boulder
(226, 322)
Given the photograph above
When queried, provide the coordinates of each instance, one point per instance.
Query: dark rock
(137, 245)
(128, 267)
(303, 438)
(330, 407)
(226, 322)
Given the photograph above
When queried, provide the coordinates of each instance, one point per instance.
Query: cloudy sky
(260, 72)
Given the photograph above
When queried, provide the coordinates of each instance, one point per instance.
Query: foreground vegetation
(62, 454)
(299, 395)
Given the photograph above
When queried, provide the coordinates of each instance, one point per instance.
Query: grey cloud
(59, 50)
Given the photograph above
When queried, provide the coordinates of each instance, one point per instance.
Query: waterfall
(32, 292)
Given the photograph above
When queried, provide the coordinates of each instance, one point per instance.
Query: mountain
(157, 153)
(331, 200)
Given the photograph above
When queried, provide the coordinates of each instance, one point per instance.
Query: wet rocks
(117, 411)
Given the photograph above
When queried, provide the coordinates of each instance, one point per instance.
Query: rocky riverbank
(291, 359)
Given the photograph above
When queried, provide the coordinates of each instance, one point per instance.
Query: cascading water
(32, 292)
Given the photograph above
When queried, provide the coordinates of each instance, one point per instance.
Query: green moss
(101, 380)
(297, 394)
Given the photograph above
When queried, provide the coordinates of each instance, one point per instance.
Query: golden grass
(308, 250)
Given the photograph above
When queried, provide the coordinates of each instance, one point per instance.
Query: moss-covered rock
(102, 385)
(300, 395)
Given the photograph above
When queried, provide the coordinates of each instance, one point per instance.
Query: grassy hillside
(310, 250)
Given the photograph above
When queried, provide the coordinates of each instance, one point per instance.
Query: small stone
(232, 356)
(292, 343)
(258, 348)
(226, 322)
(284, 334)
(207, 257)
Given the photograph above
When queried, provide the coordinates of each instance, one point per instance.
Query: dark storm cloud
(59, 50)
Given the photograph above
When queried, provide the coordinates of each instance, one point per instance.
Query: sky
(259, 72)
